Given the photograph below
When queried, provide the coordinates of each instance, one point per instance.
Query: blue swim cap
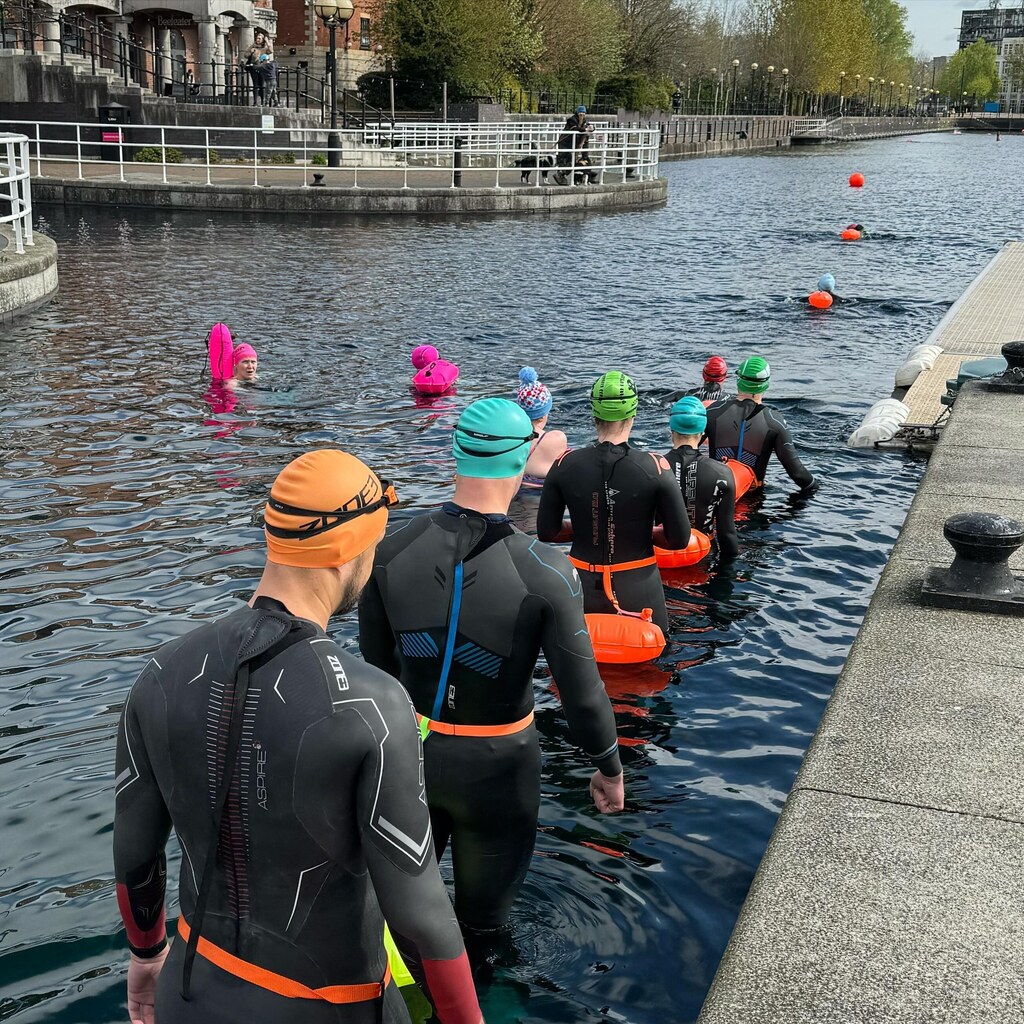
(688, 416)
(581, 109)
(492, 440)
(827, 283)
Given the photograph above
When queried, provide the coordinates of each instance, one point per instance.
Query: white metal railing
(810, 126)
(501, 155)
(16, 188)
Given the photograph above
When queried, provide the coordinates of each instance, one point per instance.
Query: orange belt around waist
(279, 984)
(475, 730)
(617, 567)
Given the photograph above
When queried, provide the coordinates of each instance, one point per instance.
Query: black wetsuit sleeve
(785, 452)
(376, 639)
(142, 825)
(725, 522)
(552, 506)
(394, 822)
(570, 656)
(671, 511)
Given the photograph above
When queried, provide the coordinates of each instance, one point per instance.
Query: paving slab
(988, 419)
(877, 913)
(943, 735)
(921, 534)
(981, 472)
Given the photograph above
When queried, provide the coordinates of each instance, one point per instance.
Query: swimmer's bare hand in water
(609, 795)
(142, 979)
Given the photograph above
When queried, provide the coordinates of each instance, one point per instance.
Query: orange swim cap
(325, 508)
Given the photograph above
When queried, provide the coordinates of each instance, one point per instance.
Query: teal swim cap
(753, 376)
(827, 283)
(613, 397)
(492, 439)
(688, 416)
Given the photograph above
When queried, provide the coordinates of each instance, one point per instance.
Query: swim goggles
(323, 521)
(476, 435)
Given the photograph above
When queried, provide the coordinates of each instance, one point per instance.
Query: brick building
(301, 36)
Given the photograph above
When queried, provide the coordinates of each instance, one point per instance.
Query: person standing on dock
(615, 494)
(708, 488)
(292, 773)
(746, 430)
(459, 605)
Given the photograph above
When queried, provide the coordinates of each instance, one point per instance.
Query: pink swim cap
(243, 351)
(422, 355)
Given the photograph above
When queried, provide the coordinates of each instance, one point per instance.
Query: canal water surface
(128, 514)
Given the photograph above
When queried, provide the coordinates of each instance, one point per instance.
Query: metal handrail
(496, 154)
(80, 37)
(15, 178)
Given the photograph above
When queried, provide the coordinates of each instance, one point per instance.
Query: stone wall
(26, 281)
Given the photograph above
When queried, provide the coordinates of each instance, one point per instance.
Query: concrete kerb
(27, 280)
(285, 199)
(889, 892)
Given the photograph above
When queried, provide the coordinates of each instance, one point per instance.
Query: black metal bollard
(457, 161)
(1012, 378)
(979, 578)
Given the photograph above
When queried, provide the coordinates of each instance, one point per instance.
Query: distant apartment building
(302, 38)
(1011, 85)
(992, 24)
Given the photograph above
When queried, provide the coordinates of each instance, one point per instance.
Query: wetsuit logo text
(261, 777)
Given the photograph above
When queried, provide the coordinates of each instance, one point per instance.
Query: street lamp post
(899, 107)
(856, 88)
(753, 69)
(888, 108)
(784, 92)
(871, 85)
(718, 82)
(842, 81)
(333, 13)
(735, 72)
(768, 89)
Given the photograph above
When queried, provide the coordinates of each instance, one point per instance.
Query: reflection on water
(129, 504)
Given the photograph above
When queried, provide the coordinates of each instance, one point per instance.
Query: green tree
(581, 40)
(972, 71)
(473, 45)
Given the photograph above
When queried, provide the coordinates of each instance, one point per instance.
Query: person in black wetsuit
(459, 605)
(615, 494)
(827, 283)
(292, 774)
(744, 429)
(714, 373)
(707, 486)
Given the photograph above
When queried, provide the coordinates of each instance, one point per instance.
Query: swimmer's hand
(142, 978)
(609, 795)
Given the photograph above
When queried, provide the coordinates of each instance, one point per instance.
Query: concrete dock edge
(287, 199)
(891, 888)
(27, 280)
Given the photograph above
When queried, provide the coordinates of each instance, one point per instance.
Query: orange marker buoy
(856, 180)
(694, 552)
(820, 300)
(849, 234)
(624, 639)
(743, 476)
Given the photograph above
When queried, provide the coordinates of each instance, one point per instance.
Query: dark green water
(127, 514)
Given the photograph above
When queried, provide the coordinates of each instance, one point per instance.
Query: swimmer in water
(291, 773)
(244, 357)
(859, 227)
(535, 400)
(615, 494)
(745, 429)
(827, 283)
(707, 485)
(714, 373)
(459, 605)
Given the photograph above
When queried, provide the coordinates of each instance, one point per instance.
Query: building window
(364, 33)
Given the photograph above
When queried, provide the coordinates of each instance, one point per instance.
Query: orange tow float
(694, 552)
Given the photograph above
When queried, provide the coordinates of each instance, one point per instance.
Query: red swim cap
(715, 369)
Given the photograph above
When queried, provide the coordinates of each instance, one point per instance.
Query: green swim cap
(753, 376)
(613, 397)
(492, 439)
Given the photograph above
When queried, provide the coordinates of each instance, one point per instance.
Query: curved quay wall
(29, 279)
(309, 199)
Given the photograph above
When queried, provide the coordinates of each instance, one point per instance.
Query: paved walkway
(987, 315)
(891, 890)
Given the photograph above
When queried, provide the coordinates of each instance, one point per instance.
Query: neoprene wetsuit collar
(458, 511)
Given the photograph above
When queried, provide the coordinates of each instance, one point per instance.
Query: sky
(936, 23)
